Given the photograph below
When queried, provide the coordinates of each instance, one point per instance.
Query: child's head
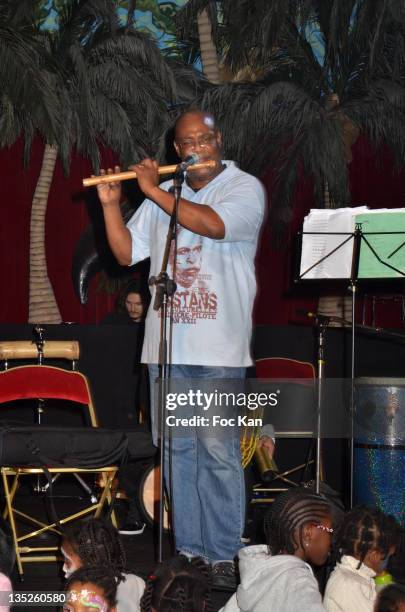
(368, 535)
(92, 542)
(7, 553)
(179, 585)
(396, 563)
(300, 523)
(91, 589)
(391, 599)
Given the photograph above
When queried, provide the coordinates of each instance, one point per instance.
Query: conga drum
(379, 445)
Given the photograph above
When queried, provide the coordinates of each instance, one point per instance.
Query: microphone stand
(322, 323)
(39, 341)
(165, 289)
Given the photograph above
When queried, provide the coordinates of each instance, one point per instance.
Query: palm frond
(79, 21)
(189, 82)
(139, 50)
(380, 114)
(241, 30)
(26, 82)
(397, 10)
(256, 27)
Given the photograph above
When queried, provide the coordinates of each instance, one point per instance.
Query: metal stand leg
(12, 523)
(352, 407)
(322, 323)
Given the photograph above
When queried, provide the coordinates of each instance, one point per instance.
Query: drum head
(149, 495)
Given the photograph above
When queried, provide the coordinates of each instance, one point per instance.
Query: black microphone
(189, 161)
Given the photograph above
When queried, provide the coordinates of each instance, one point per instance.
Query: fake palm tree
(321, 72)
(109, 86)
(29, 102)
(308, 76)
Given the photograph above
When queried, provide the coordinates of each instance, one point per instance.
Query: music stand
(359, 238)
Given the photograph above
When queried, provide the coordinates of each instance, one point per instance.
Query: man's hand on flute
(147, 176)
(109, 193)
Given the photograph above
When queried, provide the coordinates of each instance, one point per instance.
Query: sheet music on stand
(327, 251)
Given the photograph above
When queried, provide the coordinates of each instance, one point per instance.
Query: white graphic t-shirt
(216, 284)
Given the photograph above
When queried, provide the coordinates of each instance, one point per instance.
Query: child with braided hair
(277, 576)
(179, 585)
(91, 588)
(391, 599)
(94, 542)
(396, 563)
(364, 542)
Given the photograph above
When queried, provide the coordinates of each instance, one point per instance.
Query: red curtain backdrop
(279, 301)
(66, 219)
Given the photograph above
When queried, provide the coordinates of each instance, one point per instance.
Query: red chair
(48, 383)
(283, 368)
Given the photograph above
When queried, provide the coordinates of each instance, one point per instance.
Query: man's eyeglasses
(324, 528)
(203, 141)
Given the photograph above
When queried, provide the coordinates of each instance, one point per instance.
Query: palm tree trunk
(42, 303)
(208, 50)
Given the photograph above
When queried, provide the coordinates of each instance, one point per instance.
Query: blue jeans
(208, 484)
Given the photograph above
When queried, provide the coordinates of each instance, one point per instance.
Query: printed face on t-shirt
(194, 299)
(188, 262)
